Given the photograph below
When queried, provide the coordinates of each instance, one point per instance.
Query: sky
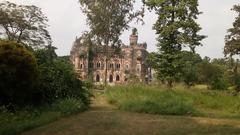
(66, 21)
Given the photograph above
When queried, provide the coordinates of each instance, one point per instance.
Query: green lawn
(179, 101)
(32, 117)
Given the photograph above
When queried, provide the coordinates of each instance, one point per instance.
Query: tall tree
(107, 20)
(232, 45)
(23, 23)
(177, 28)
(88, 40)
(232, 40)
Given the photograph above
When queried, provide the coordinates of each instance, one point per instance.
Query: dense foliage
(232, 47)
(27, 81)
(36, 90)
(189, 69)
(176, 27)
(57, 79)
(232, 41)
(18, 74)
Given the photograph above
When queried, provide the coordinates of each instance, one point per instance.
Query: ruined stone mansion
(130, 63)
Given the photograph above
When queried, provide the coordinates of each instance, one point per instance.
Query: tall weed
(178, 101)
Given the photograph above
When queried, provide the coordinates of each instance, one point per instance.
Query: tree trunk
(106, 65)
(106, 62)
(19, 37)
(90, 61)
(170, 83)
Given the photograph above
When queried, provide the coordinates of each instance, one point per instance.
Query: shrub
(189, 68)
(219, 84)
(58, 80)
(236, 81)
(18, 74)
(69, 106)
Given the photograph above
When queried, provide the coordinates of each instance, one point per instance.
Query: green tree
(107, 20)
(18, 74)
(151, 58)
(88, 41)
(45, 55)
(176, 27)
(23, 23)
(220, 61)
(212, 75)
(232, 40)
(232, 45)
(191, 61)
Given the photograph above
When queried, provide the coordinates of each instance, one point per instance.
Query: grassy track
(104, 119)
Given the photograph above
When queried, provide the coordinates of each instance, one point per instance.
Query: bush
(212, 75)
(58, 80)
(219, 84)
(18, 74)
(189, 69)
(69, 106)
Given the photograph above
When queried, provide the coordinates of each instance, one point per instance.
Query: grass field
(29, 118)
(132, 111)
(179, 101)
(105, 119)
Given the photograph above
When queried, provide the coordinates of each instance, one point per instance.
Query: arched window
(97, 78)
(110, 78)
(98, 65)
(111, 65)
(117, 78)
(118, 66)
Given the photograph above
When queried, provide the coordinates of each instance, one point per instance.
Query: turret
(134, 37)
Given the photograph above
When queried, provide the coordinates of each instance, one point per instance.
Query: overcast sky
(66, 22)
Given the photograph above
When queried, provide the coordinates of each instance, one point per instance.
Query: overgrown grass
(28, 118)
(179, 101)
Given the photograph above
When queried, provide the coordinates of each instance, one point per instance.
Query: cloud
(66, 22)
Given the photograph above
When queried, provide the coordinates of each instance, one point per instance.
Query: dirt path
(104, 119)
(99, 103)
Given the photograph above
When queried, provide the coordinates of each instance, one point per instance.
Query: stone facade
(129, 63)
